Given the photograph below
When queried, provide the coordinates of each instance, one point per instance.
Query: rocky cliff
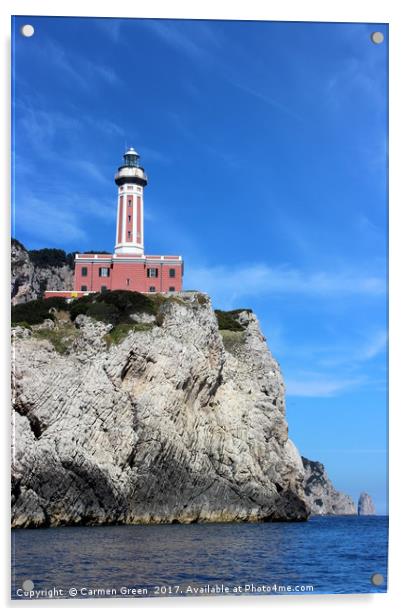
(30, 276)
(168, 420)
(365, 505)
(321, 496)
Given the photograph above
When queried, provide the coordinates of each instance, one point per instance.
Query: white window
(152, 272)
(104, 272)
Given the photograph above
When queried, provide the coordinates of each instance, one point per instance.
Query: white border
(288, 10)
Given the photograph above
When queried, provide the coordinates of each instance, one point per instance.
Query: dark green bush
(118, 306)
(56, 302)
(236, 311)
(79, 306)
(226, 320)
(128, 301)
(36, 311)
(48, 257)
(104, 312)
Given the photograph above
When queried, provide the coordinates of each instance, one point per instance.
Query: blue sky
(265, 145)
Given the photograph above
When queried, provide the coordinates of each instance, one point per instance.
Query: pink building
(128, 267)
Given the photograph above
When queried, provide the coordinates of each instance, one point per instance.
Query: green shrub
(236, 311)
(102, 311)
(59, 303)
(128, 302)
(226, 320)
(113, 306)
(79, 306)
(202, 299)
(24, 324)
(37, 310)
(49, 257)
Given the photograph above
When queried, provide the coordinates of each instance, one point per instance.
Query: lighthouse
(128, 268)
(131, 180)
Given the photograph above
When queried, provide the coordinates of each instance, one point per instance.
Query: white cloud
(90, 170)
(46, 221)
(261, 279)
(265, 98)
(75, 69)
(374, 346)
(319, 385)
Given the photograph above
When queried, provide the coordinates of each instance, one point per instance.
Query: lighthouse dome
(131, 151)
(131, 171)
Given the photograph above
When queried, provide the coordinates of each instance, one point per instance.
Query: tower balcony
(135, 175)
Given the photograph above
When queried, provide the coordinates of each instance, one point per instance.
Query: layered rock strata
(29, 281)
(178, 422)
(320, 494)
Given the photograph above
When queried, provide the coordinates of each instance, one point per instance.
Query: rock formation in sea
(320, 494)
(34, 271)
(168, 419)
(365, 505)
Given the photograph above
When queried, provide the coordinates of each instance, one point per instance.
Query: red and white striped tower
(130, 179)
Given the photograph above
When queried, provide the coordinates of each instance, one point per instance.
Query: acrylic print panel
(198, 264)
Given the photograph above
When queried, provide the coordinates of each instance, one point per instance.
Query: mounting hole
(377, 38)
(27, 30)
(28, 585)
(377, 579)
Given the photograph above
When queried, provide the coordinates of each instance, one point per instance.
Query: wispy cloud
(41, 219)
(206, 47)
(110, 27)
(175, 37)
(320, 385)
(45, 129)
(75, 69)
(265, 98)
(261, 279)
(106, 126)
(358, 73)
(90, 170)
(374, 347)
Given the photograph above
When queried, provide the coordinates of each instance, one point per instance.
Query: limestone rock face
(29, 281)
(175, 423)
(365, 505)
(321, 496)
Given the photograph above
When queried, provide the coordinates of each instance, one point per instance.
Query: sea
(326, 554)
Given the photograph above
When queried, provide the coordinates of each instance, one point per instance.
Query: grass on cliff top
(121, 331)
(228, 321)
(232, 339)
(114, 307)
(61, 337)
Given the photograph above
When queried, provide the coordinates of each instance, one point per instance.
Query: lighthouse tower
(128, 268)
(130, 179)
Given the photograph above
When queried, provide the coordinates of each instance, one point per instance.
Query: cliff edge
(165, 419)
(34, 271)
(321, 496)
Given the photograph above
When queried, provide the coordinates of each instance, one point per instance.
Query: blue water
(331, 554)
